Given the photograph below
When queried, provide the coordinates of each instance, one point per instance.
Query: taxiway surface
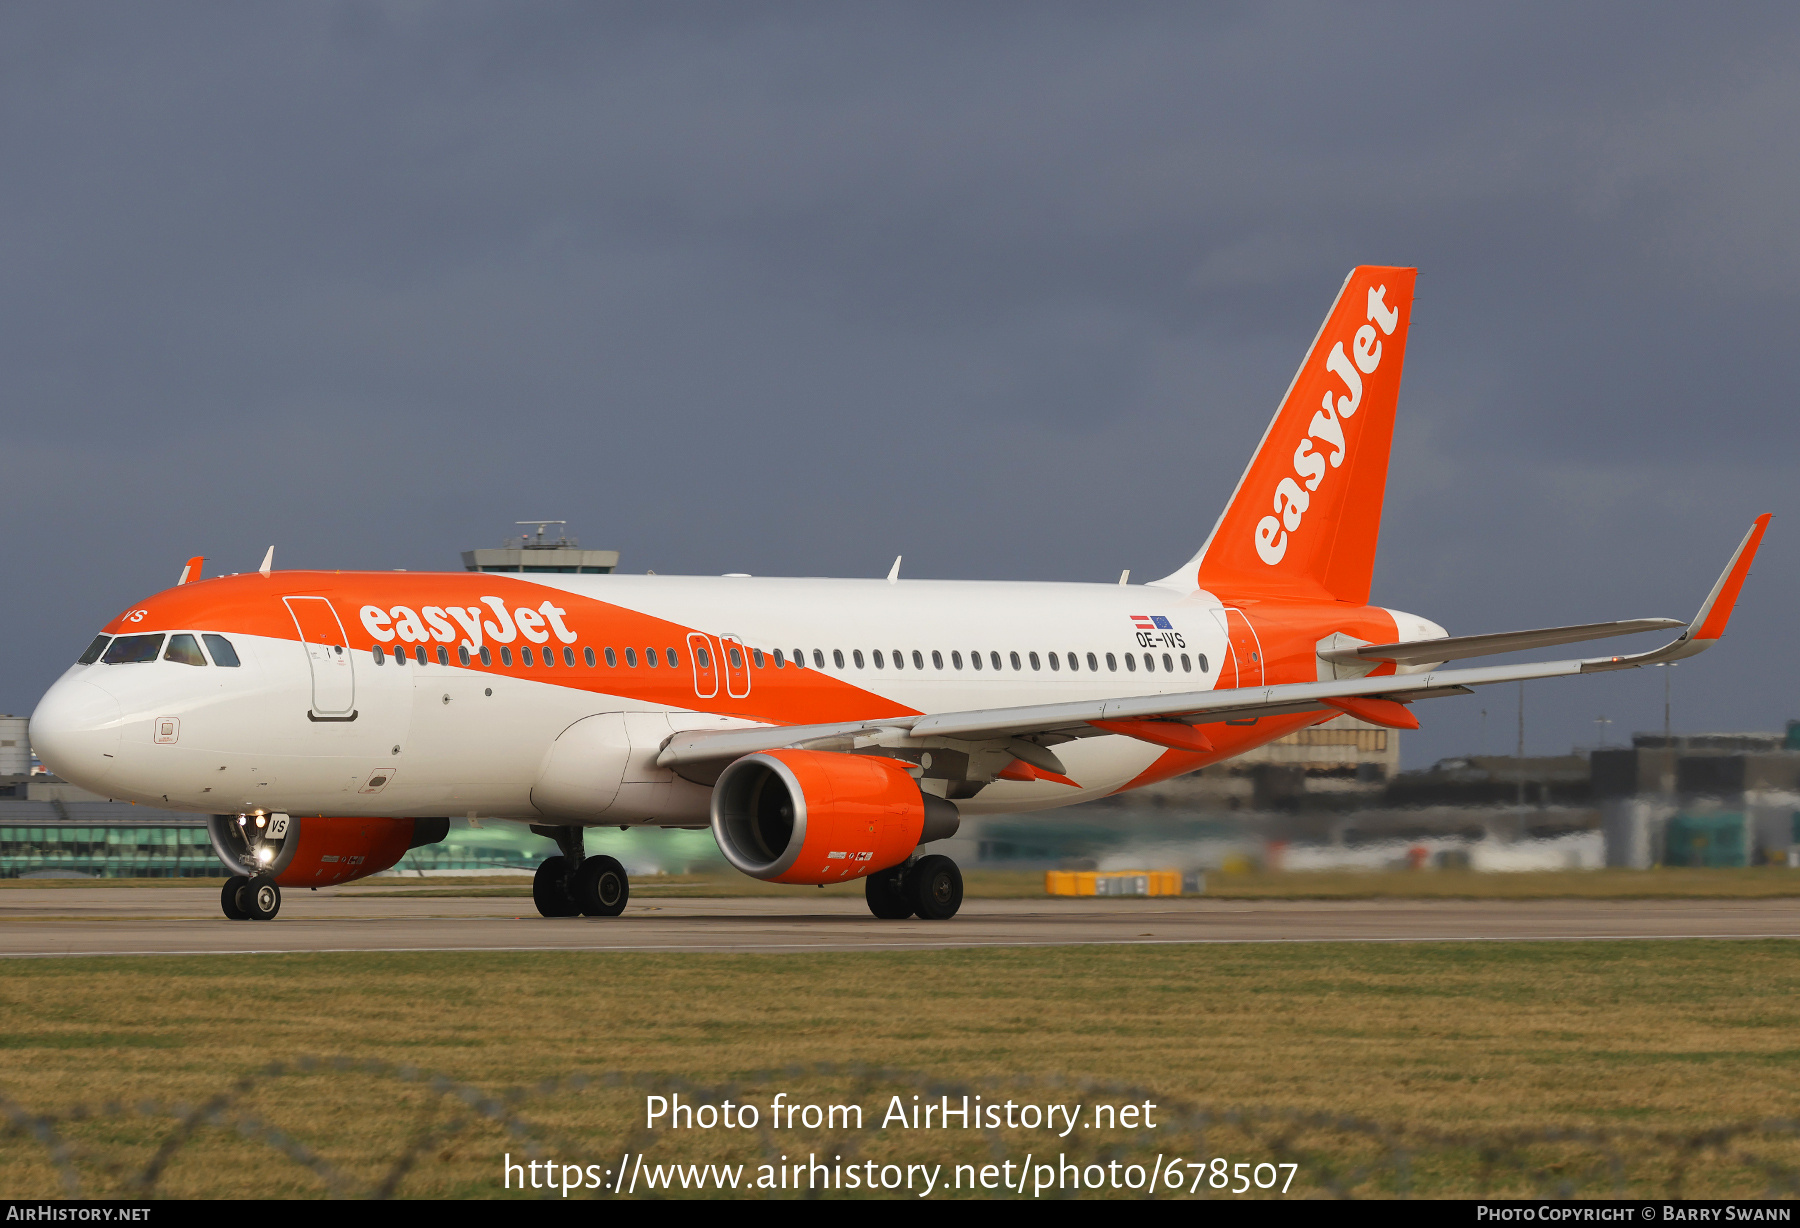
(71, 921)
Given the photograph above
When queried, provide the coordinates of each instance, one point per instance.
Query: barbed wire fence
(1336, 1155)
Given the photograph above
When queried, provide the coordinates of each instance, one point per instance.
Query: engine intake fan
(807, 816)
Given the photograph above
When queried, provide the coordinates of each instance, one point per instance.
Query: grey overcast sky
(1010, 289)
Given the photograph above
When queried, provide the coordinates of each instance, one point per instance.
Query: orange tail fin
(1306, 515)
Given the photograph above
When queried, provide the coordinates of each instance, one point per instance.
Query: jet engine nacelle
(317, 850)
(807, 816)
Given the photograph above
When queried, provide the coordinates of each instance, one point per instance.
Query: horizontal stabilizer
(1460, 647)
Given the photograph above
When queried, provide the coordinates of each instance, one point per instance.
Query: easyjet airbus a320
(826, 730)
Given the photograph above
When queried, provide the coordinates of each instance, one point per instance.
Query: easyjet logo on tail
(1293, 495)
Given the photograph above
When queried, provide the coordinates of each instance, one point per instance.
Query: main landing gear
(255, 898)
(574, 885)
(930, 888)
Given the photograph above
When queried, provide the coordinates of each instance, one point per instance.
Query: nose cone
(76, 731)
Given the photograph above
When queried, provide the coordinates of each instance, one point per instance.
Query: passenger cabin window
(837, 657)
(133, 649)
(94, 650)
(756, 656)
(1015, 661)
(185, 650)
(506, 656)
(1054, 663)
(1034, 661)
(780, 660)
(737, 658)
(612, 659)
(631, 658)
(526, 657)
(1168, 664)
(1093, 664)
(462, 654)
(857, 654)
(443, 655)
(651, 659)
(569, 657)
(587, 654)
(994, 658)
(487, 655)
(223, 654)
(379, 653)
(399, 656)
(1112, 663)
(975, 660)
(819, 658)
(1202, 659)
(674, 661)
(1130, 662)
(1187, 666)
(937, 660)
(877, 655)
(919, 661)
(1149, 663)
(955, 660)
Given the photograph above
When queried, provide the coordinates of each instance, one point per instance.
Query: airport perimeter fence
(445, 1138)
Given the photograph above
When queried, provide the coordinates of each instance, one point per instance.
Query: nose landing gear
(575, 885)
(255, 898)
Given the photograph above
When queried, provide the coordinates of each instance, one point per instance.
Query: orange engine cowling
(317, 850)
(809, 816)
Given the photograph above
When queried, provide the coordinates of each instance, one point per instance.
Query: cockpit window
(184, 649)
(222, 651)
(94, 650)
(130, 649)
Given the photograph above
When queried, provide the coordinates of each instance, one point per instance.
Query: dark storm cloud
(1012, 290)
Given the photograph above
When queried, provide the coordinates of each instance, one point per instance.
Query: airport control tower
(538, 552)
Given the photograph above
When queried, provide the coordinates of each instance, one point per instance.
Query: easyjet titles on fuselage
(433, 622)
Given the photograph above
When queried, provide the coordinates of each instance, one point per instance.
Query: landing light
(265, 855)
(260, 820)
(242, 820)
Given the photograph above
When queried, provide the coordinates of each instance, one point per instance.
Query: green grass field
(1455, 1051)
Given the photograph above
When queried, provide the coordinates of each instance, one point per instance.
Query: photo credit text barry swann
(1031, 1174)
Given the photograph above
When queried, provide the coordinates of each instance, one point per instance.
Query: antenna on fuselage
(894, 571)
(1125, 576)
(268, 561)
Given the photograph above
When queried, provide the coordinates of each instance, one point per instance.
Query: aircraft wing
(1077, 718)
